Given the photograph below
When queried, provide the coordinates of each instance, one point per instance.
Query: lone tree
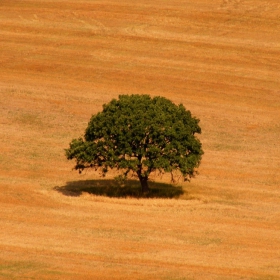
(139, 134)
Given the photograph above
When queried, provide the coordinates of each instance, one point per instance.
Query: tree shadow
(111, 188)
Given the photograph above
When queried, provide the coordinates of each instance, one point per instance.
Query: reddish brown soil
(60, 60)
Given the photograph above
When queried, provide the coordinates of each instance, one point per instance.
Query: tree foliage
(140, 135)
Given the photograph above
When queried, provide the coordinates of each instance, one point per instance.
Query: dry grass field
(60, 60)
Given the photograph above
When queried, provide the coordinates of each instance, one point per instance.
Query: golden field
(61, 60)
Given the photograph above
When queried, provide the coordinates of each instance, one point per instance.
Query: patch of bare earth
(61, 60)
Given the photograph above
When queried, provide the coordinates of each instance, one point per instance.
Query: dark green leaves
(140, 134)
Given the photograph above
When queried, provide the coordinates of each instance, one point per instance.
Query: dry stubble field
(60, 60)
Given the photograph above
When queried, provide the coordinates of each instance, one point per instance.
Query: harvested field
(61, 60)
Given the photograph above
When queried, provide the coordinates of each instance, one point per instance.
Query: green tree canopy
(140, 135)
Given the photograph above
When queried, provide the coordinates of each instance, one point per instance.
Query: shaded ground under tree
(112, 188)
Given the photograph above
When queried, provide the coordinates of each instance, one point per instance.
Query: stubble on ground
(60, 61)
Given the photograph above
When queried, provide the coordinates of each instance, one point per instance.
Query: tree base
(144, 184)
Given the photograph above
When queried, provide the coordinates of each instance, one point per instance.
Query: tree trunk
(144, 184)
(143, 179)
